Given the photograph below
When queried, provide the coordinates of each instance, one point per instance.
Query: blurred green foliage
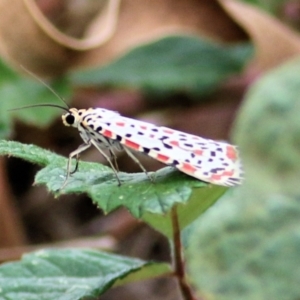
(247, 246)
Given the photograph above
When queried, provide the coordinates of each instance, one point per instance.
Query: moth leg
(114, 158)
(77, 160)
(76, 153)
(76, 166)
(139, 163)
(108, 160)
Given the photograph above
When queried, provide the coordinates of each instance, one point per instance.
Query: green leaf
(200, 200)
(247, 246)
(268, 130)
(271, 6)
(70, 274)
(17, 91)
(182, 64)
(149, 201)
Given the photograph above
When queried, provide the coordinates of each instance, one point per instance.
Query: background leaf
(141, 197)
(272, 6)
(182, 64)
(17, 91)
(71, 274)
(265, 31)
(270, 116)
(247, 245)
(199, 202)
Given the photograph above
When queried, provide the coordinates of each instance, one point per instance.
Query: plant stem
(178, 259)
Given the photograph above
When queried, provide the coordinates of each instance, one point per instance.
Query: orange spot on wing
(143, 127)
(231, 152)
(219, 176)
(120, 124)
(215, 177)
(198, 152)
(132, 145)
(162, 157)
(188, 168)
(227, 173)
(107, 133)
(174, 143)
(168, 131)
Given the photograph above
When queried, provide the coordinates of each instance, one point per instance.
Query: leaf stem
(179, 270)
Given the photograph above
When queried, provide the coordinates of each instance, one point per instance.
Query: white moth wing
(207, 160)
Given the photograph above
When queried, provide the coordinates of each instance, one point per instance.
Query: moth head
(71, 118)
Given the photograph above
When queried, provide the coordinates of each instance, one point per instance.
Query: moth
(205, 159)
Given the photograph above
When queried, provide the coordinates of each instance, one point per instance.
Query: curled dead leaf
(28, 38)
(100, 29)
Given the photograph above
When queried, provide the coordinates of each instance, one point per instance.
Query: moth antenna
(39, 105)
(46, 85)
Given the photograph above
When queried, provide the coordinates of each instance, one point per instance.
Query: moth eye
(70, 119)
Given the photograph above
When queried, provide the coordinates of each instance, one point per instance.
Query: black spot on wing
(231, 182)
(188, 145)
(167, 146)
(234, 179)
(163, 137)
(146, 150)
(216, 170)
(175, 162)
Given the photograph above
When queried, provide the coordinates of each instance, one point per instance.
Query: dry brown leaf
(274, 42)
(23, 42)
(28, 38)
(99, 31)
